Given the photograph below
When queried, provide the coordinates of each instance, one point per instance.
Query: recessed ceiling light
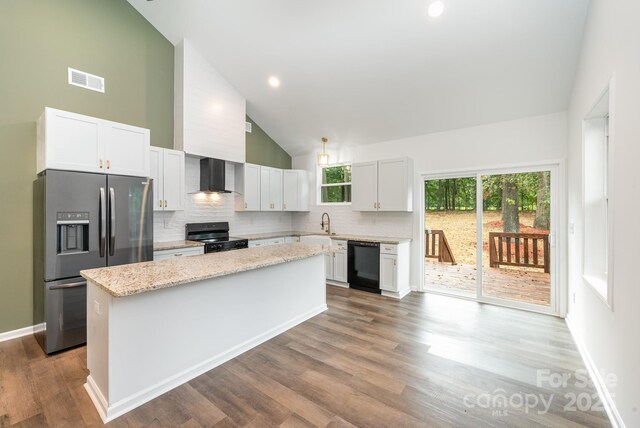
(435, 9)
(274, 81)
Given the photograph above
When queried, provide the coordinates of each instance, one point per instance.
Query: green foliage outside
(459, 194)
(340, 192)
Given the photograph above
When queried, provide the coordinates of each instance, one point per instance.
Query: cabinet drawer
(388, 249)
(259, 243)
(180, 252)
(339, 245)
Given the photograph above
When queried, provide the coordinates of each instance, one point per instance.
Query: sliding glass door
(516, 246)
(488, 236)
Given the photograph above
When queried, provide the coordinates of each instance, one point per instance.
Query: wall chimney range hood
(212, 176)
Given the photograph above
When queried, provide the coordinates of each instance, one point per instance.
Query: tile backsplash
(200, 208)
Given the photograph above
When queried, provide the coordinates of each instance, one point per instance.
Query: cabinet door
(127, 150)
(155, 172)
(388, 272)
(70, 141)
(303, 190)
(275, 188)
(173, 173)
(290, 190)
(328, 265)
(340, 266)
(393, 185)
(364, 186)
(265, 188)
(251, 190)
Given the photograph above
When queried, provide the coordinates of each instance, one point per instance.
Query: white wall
(611, 338)
(200, 208)
(535, 139)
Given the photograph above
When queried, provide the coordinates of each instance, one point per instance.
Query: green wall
(38, 40)
(262, 150)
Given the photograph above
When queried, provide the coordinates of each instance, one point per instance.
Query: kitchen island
(153, 326)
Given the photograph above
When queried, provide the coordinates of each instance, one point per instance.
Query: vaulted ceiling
(364, 71)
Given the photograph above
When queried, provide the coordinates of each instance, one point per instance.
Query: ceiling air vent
(247, 127)
(86, 80)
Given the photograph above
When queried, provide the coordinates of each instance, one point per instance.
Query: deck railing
(519, 249)
(437, 246)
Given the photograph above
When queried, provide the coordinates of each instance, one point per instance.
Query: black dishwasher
(364, 266)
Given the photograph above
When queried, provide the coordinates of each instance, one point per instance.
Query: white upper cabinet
(382, 185)
(127, 149)
(270, 189)
(69, 141)
(74, 142)
(209, 112)
(247, 183)
(167, 169)
(364, 186)
(394, 185)
(295, 190)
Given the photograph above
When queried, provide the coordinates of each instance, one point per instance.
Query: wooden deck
(521, 285)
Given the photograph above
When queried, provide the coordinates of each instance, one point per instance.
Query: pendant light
(323, 158)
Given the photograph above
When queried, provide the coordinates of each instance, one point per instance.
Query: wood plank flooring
(368, 361)
(517, 284)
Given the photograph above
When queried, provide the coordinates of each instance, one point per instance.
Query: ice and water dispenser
(73, 232)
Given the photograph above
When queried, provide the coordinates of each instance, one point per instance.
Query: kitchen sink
(316, 239)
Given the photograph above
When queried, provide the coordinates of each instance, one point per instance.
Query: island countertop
(127, 280)
(337, 236)
(176, 245)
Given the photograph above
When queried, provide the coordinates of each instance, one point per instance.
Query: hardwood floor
(368, 361)
(520, 285)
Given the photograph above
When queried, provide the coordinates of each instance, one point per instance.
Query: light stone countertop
(176, 245)
(269, 235)
(136, 278)
(338, 236)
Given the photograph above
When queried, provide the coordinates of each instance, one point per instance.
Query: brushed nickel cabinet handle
(160, 203)
(245, 205)
(101, 164)
(177, 254)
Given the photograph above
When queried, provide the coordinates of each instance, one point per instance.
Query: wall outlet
(572, 228)
(574, 298)
(96, 307)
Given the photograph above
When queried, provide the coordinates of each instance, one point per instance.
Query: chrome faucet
(322, 224)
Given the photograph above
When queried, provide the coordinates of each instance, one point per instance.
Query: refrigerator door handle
(103, 221)
(112, 221)
(71, 285)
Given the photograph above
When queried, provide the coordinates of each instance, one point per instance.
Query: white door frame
(558, 304)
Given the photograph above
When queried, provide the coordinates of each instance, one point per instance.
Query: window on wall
(597, 226)
(335, 184)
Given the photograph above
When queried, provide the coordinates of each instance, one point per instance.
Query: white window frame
(319, 169)
(601, 285)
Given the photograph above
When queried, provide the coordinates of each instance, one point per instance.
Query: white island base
(141, 346)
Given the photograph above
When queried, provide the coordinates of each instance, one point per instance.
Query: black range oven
(215, 237)
(364, 265)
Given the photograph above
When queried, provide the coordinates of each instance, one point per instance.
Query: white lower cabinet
(394, 269)
(336, 263)
(179, 252)
(328, 266)
(340, 265)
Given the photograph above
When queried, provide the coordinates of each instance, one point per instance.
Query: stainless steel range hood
(212, 176)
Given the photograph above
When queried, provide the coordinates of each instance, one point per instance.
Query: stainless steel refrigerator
(83, 221)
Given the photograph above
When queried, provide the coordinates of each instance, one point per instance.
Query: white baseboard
(109, 412)
(396, 295)
(25, 331)
(601, 386)
(337, 284)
